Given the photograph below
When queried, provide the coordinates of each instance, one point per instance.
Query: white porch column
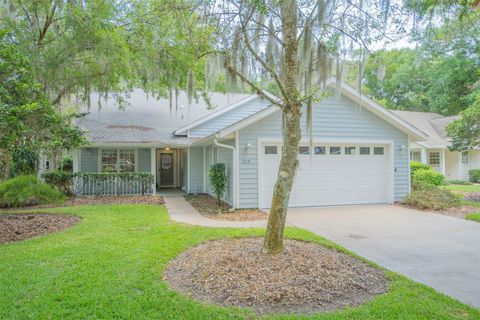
(442, 161)
(424, 155)
(75, 160)
(153, 168)
(204, 170)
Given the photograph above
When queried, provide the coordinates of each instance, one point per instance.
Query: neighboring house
(434, 151)
(359, 152)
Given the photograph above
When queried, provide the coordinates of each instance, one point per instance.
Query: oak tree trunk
(273, 242)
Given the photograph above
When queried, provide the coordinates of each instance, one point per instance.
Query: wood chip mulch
(304, 278)
(92, 200)
(207, 206)
(456, 212)
(16, 227)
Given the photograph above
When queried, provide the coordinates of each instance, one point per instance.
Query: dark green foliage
(427, 196)
(474, 175)
(218, 180)
(465, 132)
(429, 176)
(25, 191)
(24, 159)
(61, 180)
(66, 163)
(414, 166)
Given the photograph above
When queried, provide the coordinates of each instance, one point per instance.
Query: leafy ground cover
(110, 265)
(473, 217)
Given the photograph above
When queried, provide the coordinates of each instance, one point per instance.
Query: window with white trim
(465, 157)
(378, 151)
(319, 150)
(416, 155)
(117, 160)
(335, 150)
(350, 150)
(304, 150)
(434, 158)
(271, 150)
(364, 150)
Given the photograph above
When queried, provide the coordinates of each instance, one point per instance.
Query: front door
(166, 170)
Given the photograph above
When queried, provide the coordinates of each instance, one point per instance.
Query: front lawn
(473, 217)
(463, 188)
(110, 266)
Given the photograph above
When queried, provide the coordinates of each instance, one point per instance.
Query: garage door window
(350, 150)
(378, 151)
(320, 150)
(335, 150)
(364, 150)
(303, 150)
(270, 149)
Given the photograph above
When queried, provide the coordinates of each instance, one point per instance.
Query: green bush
(25, 191)
(59, 179)
(474, 175)
(427, 196)
(428, 176)
(218, 180)
(414, 166)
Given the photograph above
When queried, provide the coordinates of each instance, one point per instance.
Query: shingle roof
(147, 119)
(431, 123)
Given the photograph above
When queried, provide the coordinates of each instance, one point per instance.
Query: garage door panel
(325, 179)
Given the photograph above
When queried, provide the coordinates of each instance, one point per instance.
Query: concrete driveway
(439, 251)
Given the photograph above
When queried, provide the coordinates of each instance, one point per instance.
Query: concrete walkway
(182, 211)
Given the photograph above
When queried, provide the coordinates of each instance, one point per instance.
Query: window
(303, 150)
(378, 150)
(416, 155)
(434, 158)
(320, 150)
(118, 160)
(47, 164)
(465, 157)
(270, 149)
(350, 150)
(364, 150)
(335, 150)
(109, 161)
(127, 161)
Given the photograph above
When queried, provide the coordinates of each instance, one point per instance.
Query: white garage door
(329, 174)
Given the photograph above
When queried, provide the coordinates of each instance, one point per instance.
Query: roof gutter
(234, 161)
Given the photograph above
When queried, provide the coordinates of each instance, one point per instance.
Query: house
(434, 151)
(359, 152)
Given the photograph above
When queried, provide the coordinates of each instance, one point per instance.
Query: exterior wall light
(248, 148)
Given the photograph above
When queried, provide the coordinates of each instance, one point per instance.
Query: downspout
(234, 160)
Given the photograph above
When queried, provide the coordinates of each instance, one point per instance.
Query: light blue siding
(333, 118)
(228, 118)
(225, 156)
(209, 161)
(196, 170)
(89, 160)
(144, 160)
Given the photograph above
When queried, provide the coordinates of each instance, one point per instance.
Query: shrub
(474, 175)
(428, 176)
(218, 180)
(59, 179)
(428, 196)
(27, 191)
(414, 166)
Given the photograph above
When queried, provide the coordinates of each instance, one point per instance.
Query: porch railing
(108, 184)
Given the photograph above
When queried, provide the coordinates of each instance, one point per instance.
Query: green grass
(110, 267)
(473, 216)
(463, 188)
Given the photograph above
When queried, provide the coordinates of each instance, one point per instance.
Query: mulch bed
(16, 227)
(207, 206)
(304, 278)
(92, 200)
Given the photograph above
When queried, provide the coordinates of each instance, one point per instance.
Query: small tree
(218, 180)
